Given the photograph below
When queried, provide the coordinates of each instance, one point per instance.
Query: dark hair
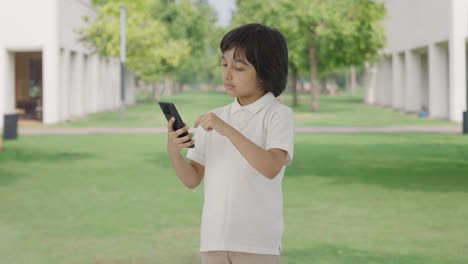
(266, 49)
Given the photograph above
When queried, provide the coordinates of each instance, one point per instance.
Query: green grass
(344, 110)
(360, 198)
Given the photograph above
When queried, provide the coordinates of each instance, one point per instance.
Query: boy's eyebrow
(241, 61)
(236, 60)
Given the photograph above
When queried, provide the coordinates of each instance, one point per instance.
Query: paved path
(143, 130)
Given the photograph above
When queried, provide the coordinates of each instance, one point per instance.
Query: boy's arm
(189, 172)
(267, 162)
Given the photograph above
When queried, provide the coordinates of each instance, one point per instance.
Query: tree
(150, 48)
(329, 34)
(272, 13)
(195, 22)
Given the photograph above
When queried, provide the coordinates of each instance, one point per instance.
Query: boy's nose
(227, 75)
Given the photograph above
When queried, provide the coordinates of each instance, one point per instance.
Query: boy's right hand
(174, 143)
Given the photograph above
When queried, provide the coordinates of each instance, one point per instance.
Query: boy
(241, 151)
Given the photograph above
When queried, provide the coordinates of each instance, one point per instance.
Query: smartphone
(169, 111)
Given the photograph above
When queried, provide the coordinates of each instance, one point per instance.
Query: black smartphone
(169, 111)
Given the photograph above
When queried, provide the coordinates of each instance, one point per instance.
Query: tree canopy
(164, 37)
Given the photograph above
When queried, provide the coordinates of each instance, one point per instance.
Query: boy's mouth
(228, 86)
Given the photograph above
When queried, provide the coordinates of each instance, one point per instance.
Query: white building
(45, 72)
(423, 67)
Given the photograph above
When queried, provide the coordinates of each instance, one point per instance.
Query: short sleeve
(197, 153)
(281, 132)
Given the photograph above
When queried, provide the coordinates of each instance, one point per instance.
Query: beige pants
(230, 257)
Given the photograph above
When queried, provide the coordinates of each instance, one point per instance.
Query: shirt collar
(254, 107)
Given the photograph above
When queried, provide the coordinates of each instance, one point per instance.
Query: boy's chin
(231, 93)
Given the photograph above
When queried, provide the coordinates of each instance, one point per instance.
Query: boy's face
(240, 78)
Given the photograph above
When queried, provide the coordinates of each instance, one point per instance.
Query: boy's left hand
(210, 122)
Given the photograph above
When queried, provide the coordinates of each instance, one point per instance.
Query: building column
(388, 81)
(72, 85)
(94, 81)
(438, 82)
(115, 82)
(78, 85)
(7, 83)
(412, 86)
(379, 89)
(370, 83)
(101, 88)
(398, 81)
(457, 59)
(51, 84)
(3, 82)
(85, 91)
(64, 85)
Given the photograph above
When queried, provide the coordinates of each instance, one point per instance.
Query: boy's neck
(246, 100)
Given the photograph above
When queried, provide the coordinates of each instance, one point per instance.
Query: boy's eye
(239, 69)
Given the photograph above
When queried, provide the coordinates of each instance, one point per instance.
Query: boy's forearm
(262, 160)
(185, 171)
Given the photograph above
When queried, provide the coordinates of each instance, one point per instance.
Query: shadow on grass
(334, 254)
(406, 166)
(15, 156)
(8, 176)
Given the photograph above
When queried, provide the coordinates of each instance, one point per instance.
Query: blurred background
(378, 89)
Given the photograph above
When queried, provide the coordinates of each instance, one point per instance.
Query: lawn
(344, 110)
(360, 198)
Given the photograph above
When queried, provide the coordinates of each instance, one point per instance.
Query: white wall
(428, 41)
(412, 24)
(27, 25)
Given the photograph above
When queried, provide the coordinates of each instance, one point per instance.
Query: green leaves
(162, 35)
(345, 32)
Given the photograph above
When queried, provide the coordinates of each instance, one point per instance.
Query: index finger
(198, 121)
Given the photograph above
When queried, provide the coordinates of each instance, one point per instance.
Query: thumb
(170, 124)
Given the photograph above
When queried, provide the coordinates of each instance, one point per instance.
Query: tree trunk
(353, 80)
(294, 73)
(348, 81)
(156, 91)
(314, 87)
(168, 87)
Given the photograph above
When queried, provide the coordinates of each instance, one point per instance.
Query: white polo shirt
(243, 210)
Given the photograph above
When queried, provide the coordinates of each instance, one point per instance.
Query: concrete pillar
(413, 85)
(102, 88)
(370, 83)
(64, 105)
(51, 83)
(72, 85)
(94, 81)
(78, 85)
(457, 59)
(424, 68)
(398, 80)
(116, 82)
(3, 82)
(388, 81)
(380, 84)
(105, 87)
(7, 79)
(438, 82)
(7, 83)
(85, 85)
